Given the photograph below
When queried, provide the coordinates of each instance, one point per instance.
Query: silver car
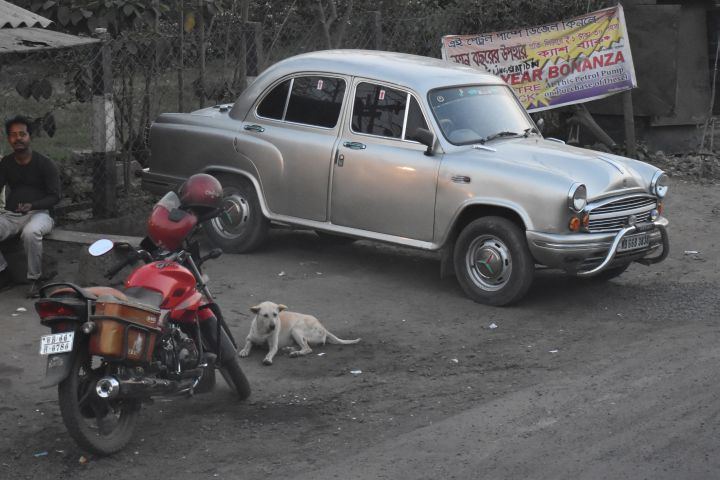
(418, 152)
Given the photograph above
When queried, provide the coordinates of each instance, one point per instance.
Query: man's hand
(24, 207)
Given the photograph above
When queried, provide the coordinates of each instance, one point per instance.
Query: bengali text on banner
(561, 63)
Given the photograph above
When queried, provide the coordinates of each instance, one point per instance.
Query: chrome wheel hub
(234, 217)
(488, 263)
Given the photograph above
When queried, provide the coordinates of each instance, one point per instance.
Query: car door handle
(254, 128)
(355, 145)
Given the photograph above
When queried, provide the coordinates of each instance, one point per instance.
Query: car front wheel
(241, 227)
(492, 261)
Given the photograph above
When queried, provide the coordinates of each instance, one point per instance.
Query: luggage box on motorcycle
(124, 331)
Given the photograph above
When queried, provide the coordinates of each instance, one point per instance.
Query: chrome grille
(613, 215)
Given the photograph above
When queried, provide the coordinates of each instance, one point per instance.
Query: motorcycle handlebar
(134, 256)
(213, 254)
(114, 270)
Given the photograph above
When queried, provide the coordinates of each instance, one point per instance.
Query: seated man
(33, 182)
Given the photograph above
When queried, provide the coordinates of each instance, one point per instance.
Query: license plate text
(56, 343)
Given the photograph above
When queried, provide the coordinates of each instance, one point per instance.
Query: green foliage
(84, 16)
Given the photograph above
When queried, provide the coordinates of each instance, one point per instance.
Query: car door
(290, 137)
(382, 180)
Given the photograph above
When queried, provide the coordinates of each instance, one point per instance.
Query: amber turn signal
(574, 224)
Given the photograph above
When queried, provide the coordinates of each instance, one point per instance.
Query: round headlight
(577, 197)
(660, 184)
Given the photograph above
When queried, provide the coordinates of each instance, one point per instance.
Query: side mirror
(426, 137)
(100, 247)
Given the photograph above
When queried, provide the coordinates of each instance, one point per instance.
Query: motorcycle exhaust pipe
(107, 387)
(111, 387)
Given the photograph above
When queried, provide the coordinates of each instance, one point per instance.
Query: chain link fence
(93, 105)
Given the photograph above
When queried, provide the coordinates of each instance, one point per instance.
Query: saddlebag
(124, 331)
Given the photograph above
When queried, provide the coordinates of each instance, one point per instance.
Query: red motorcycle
(111, 350)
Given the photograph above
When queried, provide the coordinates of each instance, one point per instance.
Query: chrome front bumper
(587, 254)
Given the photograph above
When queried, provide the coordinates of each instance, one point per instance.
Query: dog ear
(281, 307)
(255, 309)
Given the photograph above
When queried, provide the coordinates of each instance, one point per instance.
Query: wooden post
(201, 19)
(240, 80)
(259, 53)
(630, 143)
(181, 60)
(103, 157)
(377, 30)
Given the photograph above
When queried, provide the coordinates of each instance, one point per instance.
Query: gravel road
(581, 380)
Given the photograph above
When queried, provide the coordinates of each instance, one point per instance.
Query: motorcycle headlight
(577, 197)
(660, 184)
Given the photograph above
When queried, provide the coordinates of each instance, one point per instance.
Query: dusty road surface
(581, 380)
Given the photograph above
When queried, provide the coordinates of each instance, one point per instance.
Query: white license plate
(633, 242)
(56, 343)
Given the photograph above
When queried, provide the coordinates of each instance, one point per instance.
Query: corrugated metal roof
(23, 40)
(12, 16)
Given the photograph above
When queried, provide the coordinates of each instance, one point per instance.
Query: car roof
(413, 71)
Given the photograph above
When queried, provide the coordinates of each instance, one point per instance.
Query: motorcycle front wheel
(100, 426)
(235, 378)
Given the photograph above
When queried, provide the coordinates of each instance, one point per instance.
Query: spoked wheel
(100, 426)
(242, 226)
(492, 261)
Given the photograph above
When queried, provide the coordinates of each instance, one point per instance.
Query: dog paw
(243, 353)
(267, 362)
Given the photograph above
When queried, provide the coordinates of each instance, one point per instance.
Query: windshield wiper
(498, 135)
(530, 130)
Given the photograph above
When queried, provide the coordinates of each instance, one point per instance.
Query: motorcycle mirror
(100, 247)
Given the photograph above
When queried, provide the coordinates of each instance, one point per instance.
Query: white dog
(277, 328)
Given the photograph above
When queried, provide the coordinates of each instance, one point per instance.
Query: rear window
(314, 100)
(273, 105)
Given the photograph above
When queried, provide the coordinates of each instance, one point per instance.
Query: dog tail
(330, 338)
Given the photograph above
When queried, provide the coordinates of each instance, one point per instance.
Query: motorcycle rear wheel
(98, 425)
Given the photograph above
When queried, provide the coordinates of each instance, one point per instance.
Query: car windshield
(479, 113)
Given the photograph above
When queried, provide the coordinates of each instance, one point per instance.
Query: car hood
(600, 172)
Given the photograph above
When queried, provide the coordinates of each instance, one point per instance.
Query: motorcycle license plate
(634, 242)
(56, 343)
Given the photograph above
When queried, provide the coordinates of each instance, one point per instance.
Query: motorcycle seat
(90, 293)
(139, 295)
(144, 296)
(109, 291)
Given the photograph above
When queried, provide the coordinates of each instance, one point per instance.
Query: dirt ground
(580, 380)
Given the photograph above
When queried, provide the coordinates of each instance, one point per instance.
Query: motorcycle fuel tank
(175, 282)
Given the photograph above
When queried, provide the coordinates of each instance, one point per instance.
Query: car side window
(415, 120)
(381, 110)
(315, 100)
(273, 105)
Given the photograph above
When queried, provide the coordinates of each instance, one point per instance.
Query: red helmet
(167, 225)
(200, 193)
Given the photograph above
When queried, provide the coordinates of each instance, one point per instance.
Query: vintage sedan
(418, 152)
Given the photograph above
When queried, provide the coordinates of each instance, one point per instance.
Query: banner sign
(562, 63)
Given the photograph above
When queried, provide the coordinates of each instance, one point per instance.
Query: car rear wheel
(241, 227)
(492, 261)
